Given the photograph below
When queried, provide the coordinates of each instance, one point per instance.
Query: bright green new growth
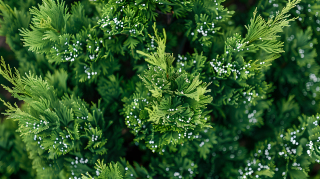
(160, 59)
(266, 32)
(53, 128)
(48, 23)
(171, 104)
(233, 70)
(106, 171)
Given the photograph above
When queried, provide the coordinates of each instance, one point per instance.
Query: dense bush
(160, 89)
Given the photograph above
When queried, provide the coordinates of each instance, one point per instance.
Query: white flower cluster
(74, 165)
(310, 147)
(94, 138)
(35, 138)
(87, 71)
(251, 116)
(68, 56)
(204, 29)
(115, 26)
(136, 123)
(95, 54)
(36, 125)
(59, 144)
(224, 70)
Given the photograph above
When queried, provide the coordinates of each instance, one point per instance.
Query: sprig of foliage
(171, 103)
(56, 130)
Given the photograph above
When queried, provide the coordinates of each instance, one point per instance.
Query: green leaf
(131, 42)
(267, 173)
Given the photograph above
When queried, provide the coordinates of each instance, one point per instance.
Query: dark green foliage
(14, 161)
(57, 130)
(178, 89)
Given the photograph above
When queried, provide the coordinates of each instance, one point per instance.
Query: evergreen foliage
(161, 89)
(14, 157)
(172, 105)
